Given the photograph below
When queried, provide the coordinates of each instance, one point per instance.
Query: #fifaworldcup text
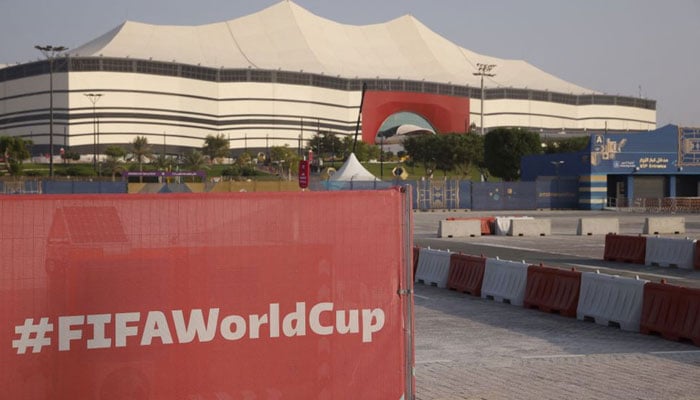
(100, 331)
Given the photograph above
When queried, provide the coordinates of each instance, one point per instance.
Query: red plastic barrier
(416, 253)
(696, 260)
(552, 290)
(671, 311)
(486, 223)
(621, 248)
(466, 273)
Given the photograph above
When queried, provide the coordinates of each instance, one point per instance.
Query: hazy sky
(627, 47)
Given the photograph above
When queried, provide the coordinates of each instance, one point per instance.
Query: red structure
(445, 113)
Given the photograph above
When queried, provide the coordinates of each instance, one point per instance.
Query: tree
(504, 147)
(194, 161)
(116, 152)
(285, 157)
(327, 145)
(216, 147)
(567, 145)
(422, 149)
(14, 151)
(141, 150)
(115, 156)
(468, 152)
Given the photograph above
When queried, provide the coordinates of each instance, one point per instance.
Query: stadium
(280, 76)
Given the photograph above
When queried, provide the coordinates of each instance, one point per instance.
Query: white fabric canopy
(287, 37)
(353, 171)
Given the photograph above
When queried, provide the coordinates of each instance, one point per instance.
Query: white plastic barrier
(611, 299)
(670, 252)
(459, 228)
(597, 226)
(530, 227)
(433, 267)
(502, 224)
(660, 225)
(504, 281)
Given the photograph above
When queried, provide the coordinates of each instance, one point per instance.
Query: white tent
(353, 171)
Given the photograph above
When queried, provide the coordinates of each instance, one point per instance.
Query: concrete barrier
(597, 226)
(502, 224)
(670, 252)
(530, 227)
(459, 228)
(433, 267)
(661, 225)
(611, 300)
(504, 281)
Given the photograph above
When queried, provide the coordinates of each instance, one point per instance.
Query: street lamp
(557, 164)
(50, 52)
(94, 98)
(483, 70)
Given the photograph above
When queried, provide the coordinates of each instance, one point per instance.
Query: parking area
(472, 348)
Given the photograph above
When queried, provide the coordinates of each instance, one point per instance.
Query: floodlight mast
(94, 98)
(483, 70)
(50, 52)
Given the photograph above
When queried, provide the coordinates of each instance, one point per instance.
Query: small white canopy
(353, 171)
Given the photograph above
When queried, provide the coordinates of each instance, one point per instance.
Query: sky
(639, 48)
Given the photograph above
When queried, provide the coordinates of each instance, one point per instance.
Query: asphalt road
(472, 348)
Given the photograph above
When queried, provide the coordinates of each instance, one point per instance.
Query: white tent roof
(353, 171)
(288, 37)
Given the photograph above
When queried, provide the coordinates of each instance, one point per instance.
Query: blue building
(619, 169)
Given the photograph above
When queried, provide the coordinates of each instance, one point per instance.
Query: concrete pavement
(472, 348)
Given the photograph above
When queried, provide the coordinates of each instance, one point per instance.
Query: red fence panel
(621, 248)
(552, 290)
(671, 311)
(466, 273)
(226, 295)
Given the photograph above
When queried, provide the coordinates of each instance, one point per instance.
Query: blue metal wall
(71, 187)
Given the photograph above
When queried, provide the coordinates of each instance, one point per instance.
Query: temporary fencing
(621, 248)
(242, 295)
(504, 281)
(671, 311)
(611, 299)
(433, 267)
(552, 290)
(670, 252)
(466, 273)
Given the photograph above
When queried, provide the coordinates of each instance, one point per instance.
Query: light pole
(483, 70)
(94, 98)
(50, 52)
(556, 164)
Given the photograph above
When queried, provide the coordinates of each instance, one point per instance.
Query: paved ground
(471, 348)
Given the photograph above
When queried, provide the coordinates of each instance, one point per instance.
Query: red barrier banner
(294, 295)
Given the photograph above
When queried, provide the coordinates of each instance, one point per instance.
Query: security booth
(631, 169)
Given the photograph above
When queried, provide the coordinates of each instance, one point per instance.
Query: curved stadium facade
(278, 77)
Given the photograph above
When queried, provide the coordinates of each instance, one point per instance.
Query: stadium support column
(50, 52)
(483, 70)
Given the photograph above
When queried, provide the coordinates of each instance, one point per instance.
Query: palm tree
(141, 150)
(216, 146)
(194, 161)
